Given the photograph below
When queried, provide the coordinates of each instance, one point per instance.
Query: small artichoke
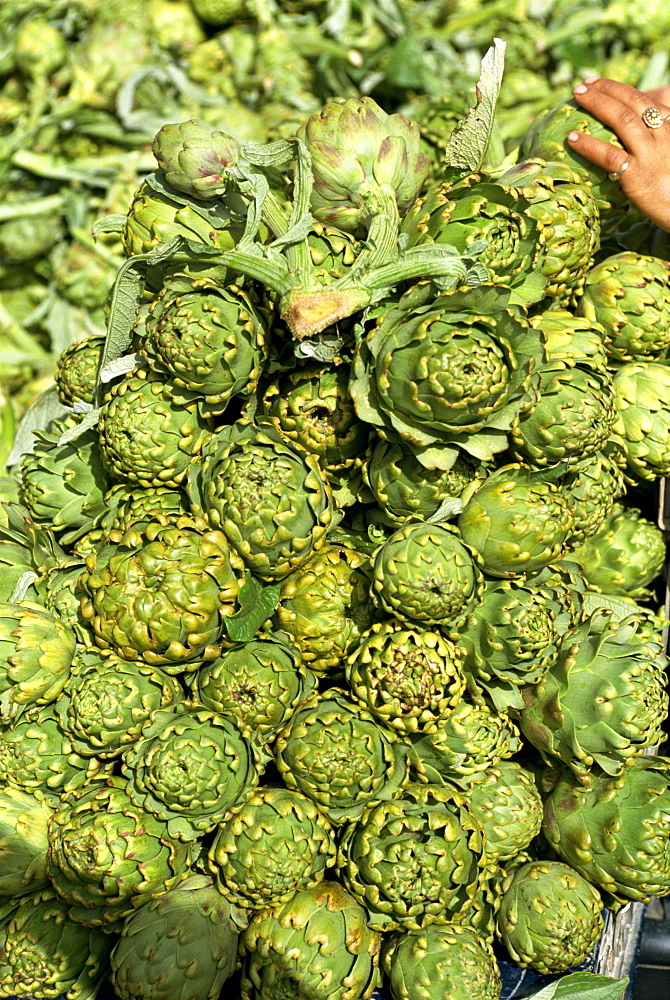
(196, 158)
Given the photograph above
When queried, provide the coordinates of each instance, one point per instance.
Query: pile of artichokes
(330, 579)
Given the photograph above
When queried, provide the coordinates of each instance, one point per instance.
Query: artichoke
(571, 339)
(269, 499)
(448, 373)
(182, 944)
(550, 917)
(176, 619)
(189, 768)
(258, 683)
(408, 678)
(642, 390)
(505, 800)
(196, 158)
(149, 435)
(276, 844)
(424, 573)
(616, 832)
(38, 650)
(44, 953)
(207, 339)
(516, 522)
(77, 371)
(416, 860)
(107, 857)
(24, 841)
(591, 488)
(334, 752)
(629, 295)
(325, 607)
(315, 946)
(603, 701)
(441, 960)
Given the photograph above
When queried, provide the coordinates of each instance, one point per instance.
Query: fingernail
(573, 136)
(580, 89)
(591, 79)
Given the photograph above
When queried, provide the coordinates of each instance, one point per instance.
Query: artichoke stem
(382, 236)
(273, 273)
(307, 312)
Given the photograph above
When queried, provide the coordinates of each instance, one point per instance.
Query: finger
(630, 96)
(601, 154)
(624, 120)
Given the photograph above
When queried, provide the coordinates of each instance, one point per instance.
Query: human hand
(643, 167)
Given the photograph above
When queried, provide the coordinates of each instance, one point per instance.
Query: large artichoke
(642, 390)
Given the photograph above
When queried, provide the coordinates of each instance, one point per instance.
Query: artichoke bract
(44, 953)
(416, 860)
(182, 944)
(629, 295)
(325, 607)
(257, 683)
(147, 435)
(550, 917)
(642, 390)
(196, 158)
(407, 677)
(194, 586)
(334, 752)
(274, 845)
(189, 768)
(446, 374)
(208, 339)
(315, 946)
(516, 522)
(38, 650)
(424, 573)
(363, 160)
(107, 857)
(270, 500)
(441, 960)
(615, 833)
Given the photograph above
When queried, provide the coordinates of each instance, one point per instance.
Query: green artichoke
(38, 651)
(591, 488)
(207, 339)
(269, 499)
(407, 677)
(629, 295)
(441, 960)
(363, 160)
(274, 845)
(189, 768)
(182, 944)
(325, 607)
(149, 435)
(24, 841)
(516, 522)
(472, 739)
(425, 573)
(77, 371)
(642, 390)
(107, 702)
(405, 490)
(603, 701)
(63, 485)
(334, 752)
(505, 800)
(550, 917)
(416, 860)
(196, 158)
(511, 638)
(44, 953)
(615, 833)
(107, 857)
(315, 946)
(258, 683)
(571, 339)
(624, 556)
(573, 417)
(447, 373)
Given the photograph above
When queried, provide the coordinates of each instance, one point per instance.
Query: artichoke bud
(196, 158)
(357, 149)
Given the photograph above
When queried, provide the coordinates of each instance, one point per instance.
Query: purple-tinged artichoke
(196, 158)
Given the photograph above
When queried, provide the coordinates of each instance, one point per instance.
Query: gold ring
(616, 174)
(653, 117)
